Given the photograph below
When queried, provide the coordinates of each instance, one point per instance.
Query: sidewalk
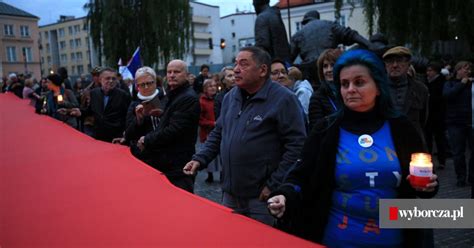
(455, 238)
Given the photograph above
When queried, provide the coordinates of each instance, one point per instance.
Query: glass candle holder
(421, 169)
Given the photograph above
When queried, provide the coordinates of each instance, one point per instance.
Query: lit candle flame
(421, 160)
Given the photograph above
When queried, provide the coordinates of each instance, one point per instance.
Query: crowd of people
(312, 157)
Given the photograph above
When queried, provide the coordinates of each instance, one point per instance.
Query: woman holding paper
(144, 113)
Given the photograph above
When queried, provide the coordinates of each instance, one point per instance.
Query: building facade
(205, 44)
(238, 31)
(19, 42)
(67, 43)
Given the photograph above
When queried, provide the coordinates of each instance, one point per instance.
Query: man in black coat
(173, 142)
(435, 126)
(270, 33)
(108, 105)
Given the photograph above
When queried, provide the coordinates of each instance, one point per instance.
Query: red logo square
(393, 214)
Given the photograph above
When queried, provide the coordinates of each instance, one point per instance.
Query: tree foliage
(420, 23)
(160, 28)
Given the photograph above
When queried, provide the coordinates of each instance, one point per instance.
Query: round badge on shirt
(366, 140)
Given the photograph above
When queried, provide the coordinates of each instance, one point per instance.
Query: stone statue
(270, 33)
(318, 35)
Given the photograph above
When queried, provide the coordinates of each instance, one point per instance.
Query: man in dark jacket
(435, 127)
(409, 96)
(270, 33)
(458, 95)
(108, 105)
(259, 135)
(173, 142)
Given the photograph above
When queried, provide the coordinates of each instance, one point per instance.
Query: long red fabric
(60, 188)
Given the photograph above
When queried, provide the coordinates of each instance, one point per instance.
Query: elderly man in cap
(409, 96)
(318, 35)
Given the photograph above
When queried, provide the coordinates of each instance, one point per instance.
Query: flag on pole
(119, 63)
(134, 63)
(126, 74)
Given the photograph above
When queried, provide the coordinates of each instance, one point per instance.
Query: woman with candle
(351, 161)
(60, 103)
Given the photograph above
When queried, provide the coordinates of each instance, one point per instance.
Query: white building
(238, 31)
(205, 44)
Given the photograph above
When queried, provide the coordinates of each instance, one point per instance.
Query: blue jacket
(258, 142)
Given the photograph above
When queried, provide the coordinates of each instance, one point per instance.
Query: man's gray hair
(260, 56)
(145, 70)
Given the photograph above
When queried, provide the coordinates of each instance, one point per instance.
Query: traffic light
(222, 43)
(210, 43)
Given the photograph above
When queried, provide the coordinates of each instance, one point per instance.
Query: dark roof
(6, 9)
(58, 22)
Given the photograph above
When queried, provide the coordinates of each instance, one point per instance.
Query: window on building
(298, 26)
(73, 70)
(11, 54)
(61, 32)
(233, 34)
(28, 55)
(24, 31)
(63, 58)
(342, 20)
(71, 44)
(70, 30)
(42, 60)
(49, 60)
(8, 29)
(232, 22)
(46, 34)
(62, 45)
(79, 56)
(80, 69)
(73, 57)
(89, 67)
(234, 48)
(77, 29)
(78, 42)
(48, 48)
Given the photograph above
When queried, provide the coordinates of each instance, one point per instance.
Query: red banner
(61, 188)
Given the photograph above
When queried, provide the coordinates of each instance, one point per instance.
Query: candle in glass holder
(421, 169)
(60, 98)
